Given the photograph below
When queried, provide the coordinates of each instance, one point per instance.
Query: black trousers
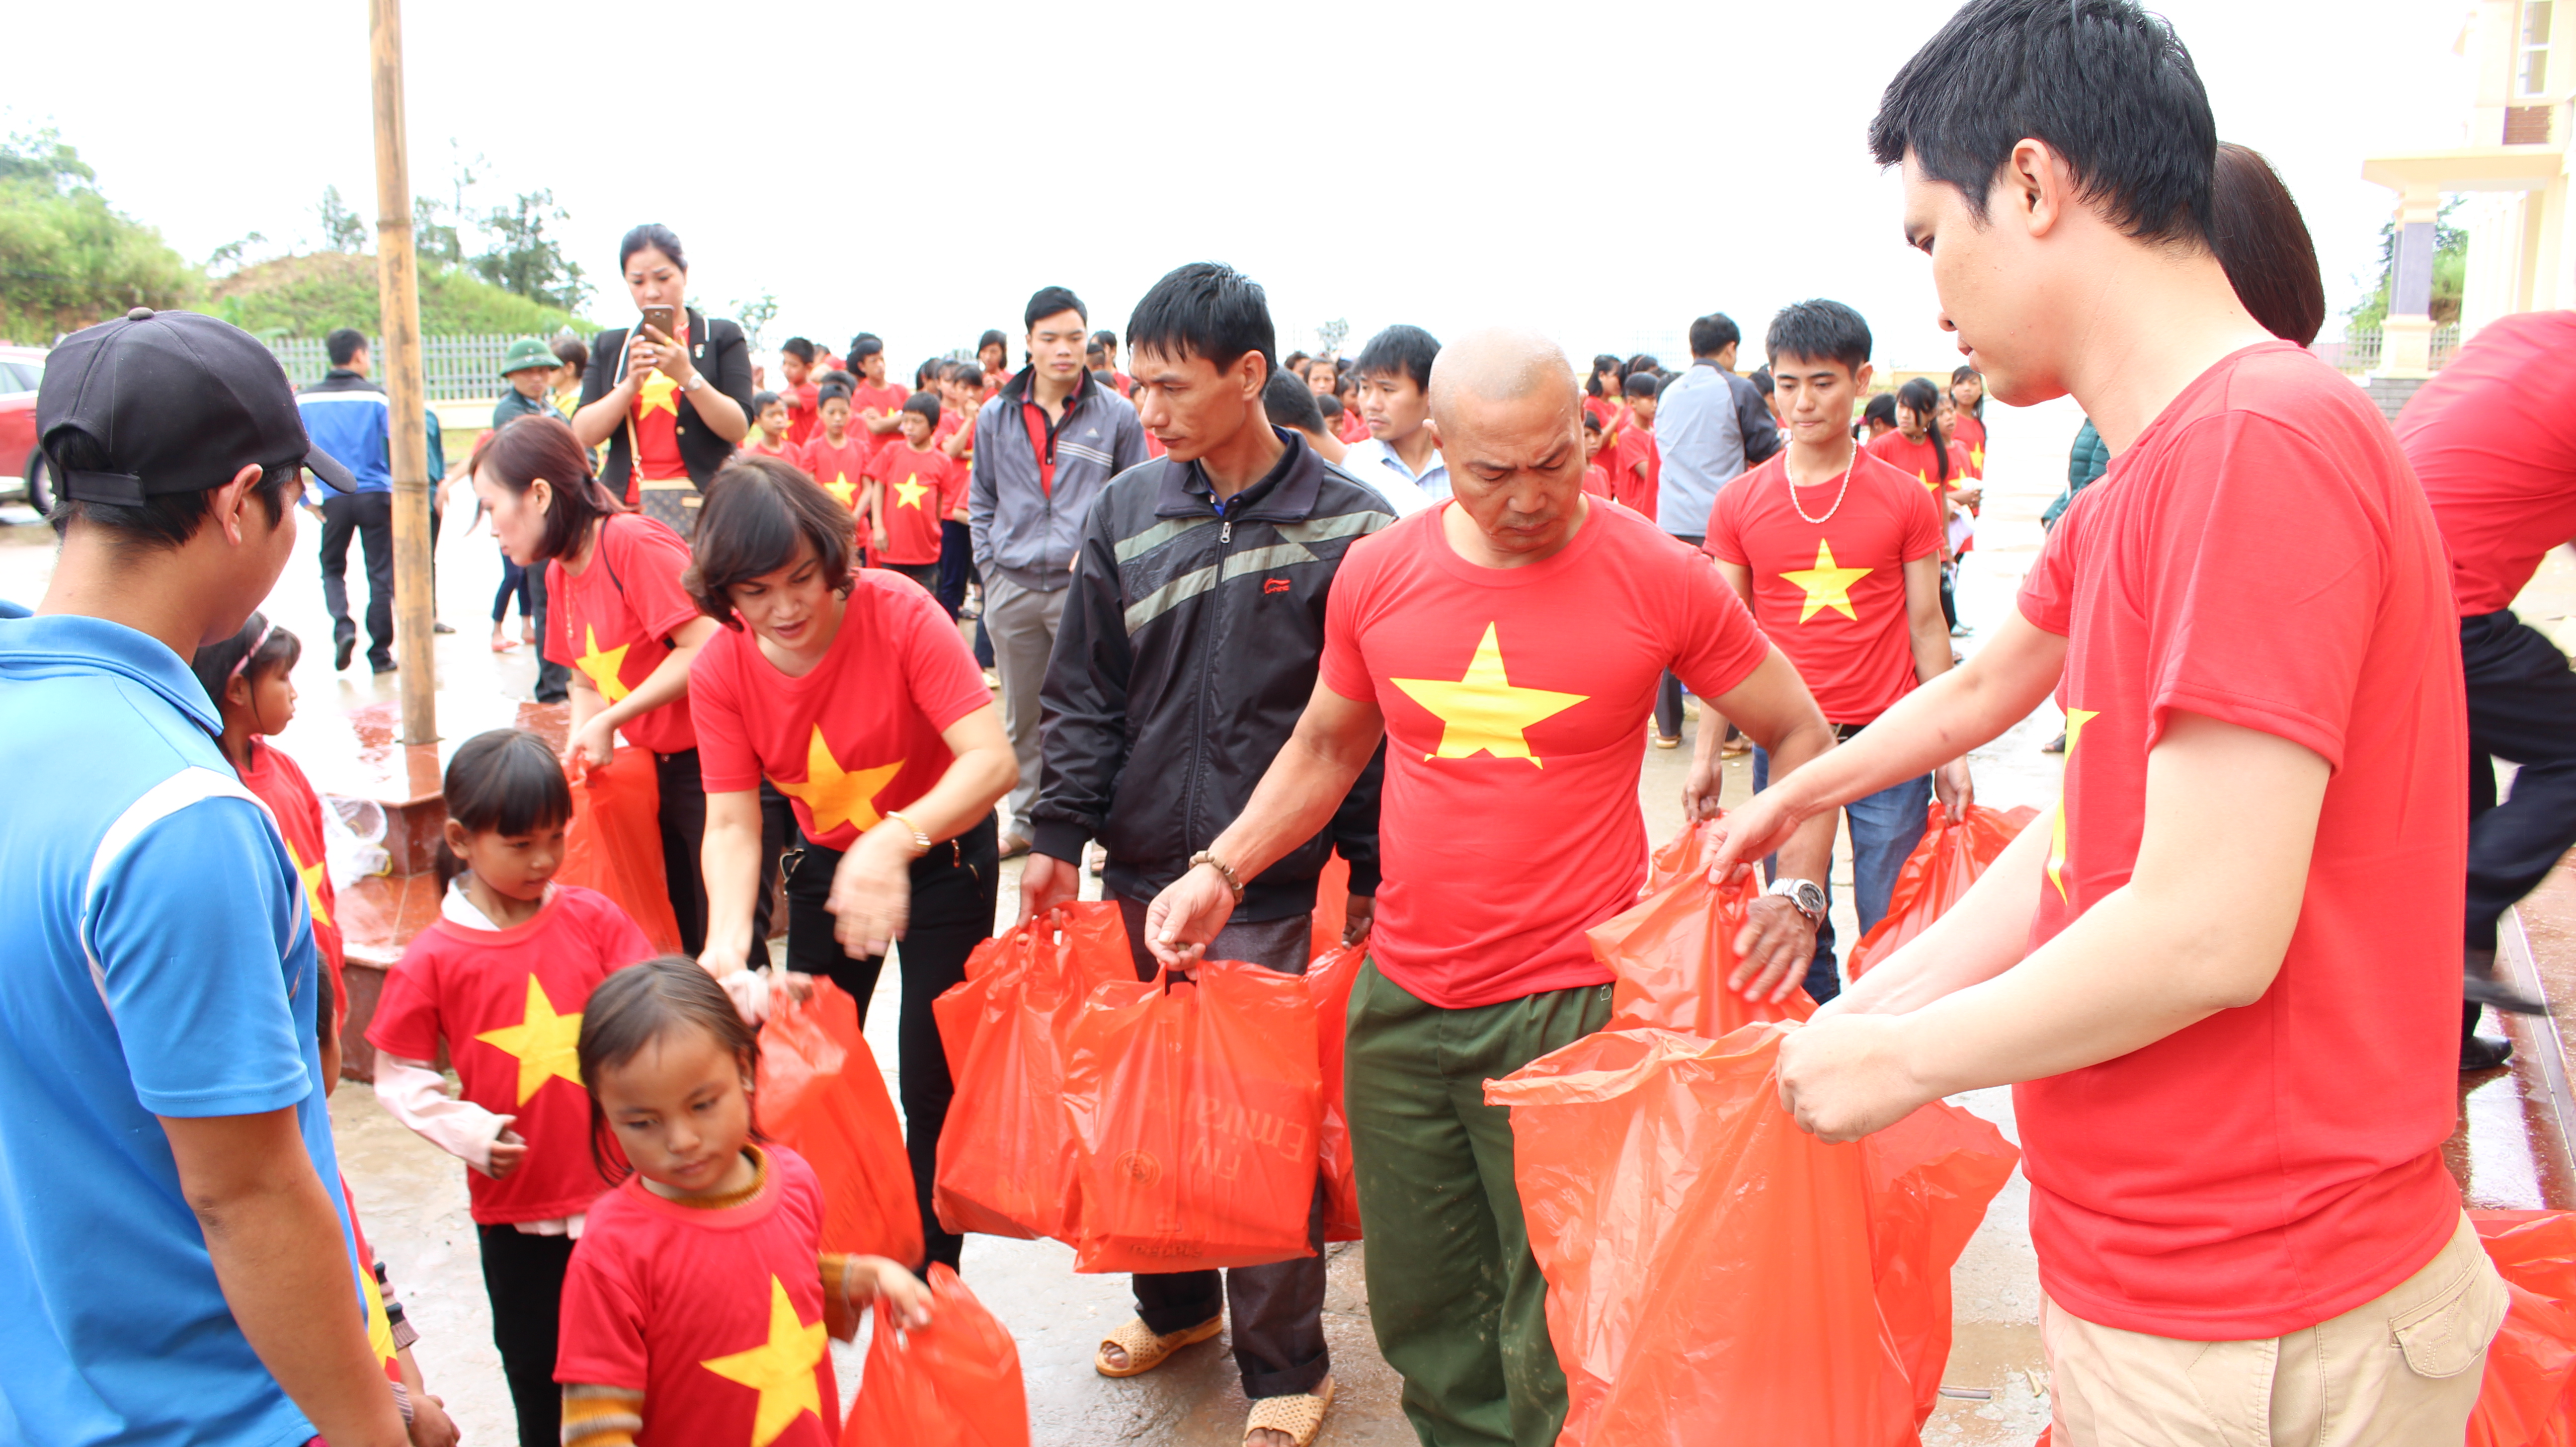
(515, 584)
(954, 887)
(554, 680)
(523, 1275)
(1668, 692)
(683, 818)
(369, 517)
(2522, 707)
(956, 558)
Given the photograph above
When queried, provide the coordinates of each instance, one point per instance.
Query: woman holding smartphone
(671, 396)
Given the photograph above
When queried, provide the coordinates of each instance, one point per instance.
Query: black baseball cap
(178, 401)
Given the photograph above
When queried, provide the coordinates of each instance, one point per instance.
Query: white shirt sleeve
(417, 1096)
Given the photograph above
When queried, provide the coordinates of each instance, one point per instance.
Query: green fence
(453, 369)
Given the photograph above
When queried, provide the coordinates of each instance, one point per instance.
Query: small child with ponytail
(500, 979)
(699, 1298)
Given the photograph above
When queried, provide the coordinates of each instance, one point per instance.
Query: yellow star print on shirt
(911, 490)
(841, 487)
(1483, 712)
(543, 1040)
(780, 1369)
(836, 796)
(2076, 719)
(602, 665)
(1827, 586)
(380, 1327)
(658, 394)
(311, 874)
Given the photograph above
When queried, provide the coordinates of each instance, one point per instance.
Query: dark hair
(1327, 360)
(1761, 379)
(1346, 382)
(1291, 403)
(862, 346)
(1326, 403)
(2105, 83)
(799, 348)
(1641, 384)
(1400, 349)
(2262, 243)
(1093, 352)
(1296, 362)
(925, 403)
(965, 371)
(1048, 301)
(541, 445)
(994, 338)
(573, 352)
(1922, 397)
(762, 402)
(164, 521)
(1714, 333)
(1880, 408)
(638, 1005)
(1600, 364)
(846, 381)
(1591, 420)
(1206, 309)
(1104, 338)
(1642, 362)
(656, 235)
(344, 344)
(1820, 331)
(757, 509)
(505, 781)
(830, 392)
(929, 372)
(277, 651)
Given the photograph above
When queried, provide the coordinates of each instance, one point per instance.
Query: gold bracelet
(920, 838)
(1224, 871)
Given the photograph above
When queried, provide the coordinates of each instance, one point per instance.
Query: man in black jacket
(1189, 648)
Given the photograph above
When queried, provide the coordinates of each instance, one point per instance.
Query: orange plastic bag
(1328, 981)
(1198, 1102)
(821, 1095)
(1007, 1156)
(953, 1383)
(1936, 874)
(1716, 1274)
(2528, 1397)
(1332, 905)
(1673, 950)
(614, 843)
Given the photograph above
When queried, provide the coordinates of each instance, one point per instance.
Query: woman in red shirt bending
(852, 692)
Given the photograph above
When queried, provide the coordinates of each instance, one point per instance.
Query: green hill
(307, 296)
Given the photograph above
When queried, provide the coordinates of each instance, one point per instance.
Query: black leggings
(954, 887)
(684, 835)
(523, 1275)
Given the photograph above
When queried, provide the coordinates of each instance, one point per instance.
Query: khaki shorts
(2396, 1372)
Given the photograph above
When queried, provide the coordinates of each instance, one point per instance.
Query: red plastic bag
(821, 1095)
(1716, 1274)
(1332, 905)
(953, 1383)
(1328, 981)
(1197, 1102)
(1007, 1157)
(1673, 950)
(2528, 1398)
(614, 843)
(1936, 874)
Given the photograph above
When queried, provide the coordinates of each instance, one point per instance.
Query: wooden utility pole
(398, 295)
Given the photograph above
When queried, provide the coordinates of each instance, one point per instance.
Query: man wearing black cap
(182, 1261)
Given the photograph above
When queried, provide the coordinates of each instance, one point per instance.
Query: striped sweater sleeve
(601, 1416)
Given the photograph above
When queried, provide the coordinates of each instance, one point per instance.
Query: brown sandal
(1146, 1351)
(1300, 1416)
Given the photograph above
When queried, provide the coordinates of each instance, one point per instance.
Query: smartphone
(659, 318)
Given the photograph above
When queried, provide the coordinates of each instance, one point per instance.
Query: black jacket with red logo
(1188, 650)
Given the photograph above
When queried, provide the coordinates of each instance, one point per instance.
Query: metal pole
(398, 294)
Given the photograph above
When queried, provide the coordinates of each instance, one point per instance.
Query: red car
(22, 468)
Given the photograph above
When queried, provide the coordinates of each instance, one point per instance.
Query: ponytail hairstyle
(1880, 408)
(635, 1007)
(2262, 243)
(537, 448)
(258, 650)
(505, 781)
(1600, 364)
(1922, 398)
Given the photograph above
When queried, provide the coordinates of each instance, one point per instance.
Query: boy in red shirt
(769, 411)
(2222, 977)
(912, 488)
(1637, 468)
(1839, 557)
(874, 400)
(796, 368)
(838, 456)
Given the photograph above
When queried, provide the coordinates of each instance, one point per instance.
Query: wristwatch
(1804, 895)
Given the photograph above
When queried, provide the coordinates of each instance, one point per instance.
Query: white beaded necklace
(1839, 493)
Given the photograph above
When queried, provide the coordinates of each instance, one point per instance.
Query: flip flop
(1146, 1351)
(1300, 1416)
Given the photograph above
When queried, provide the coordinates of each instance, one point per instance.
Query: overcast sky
(1606, 172)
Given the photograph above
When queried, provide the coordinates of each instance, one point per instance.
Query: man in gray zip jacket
(1044, 448)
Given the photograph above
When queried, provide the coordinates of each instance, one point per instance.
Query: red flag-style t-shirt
(841, 467)
(280, 784)
(657, 422)
(1638, 474)
(613, 623)
(1970, 433)
(715, 1315)
(859, 734)
(1596, 481)
(882, 401)
(1354, 427)
(1832, 594)
(508, 1004)
(1916, 459)
(2493, 439)
(2261, 556)
(804, 401)
(921, 487)
(1516, 703)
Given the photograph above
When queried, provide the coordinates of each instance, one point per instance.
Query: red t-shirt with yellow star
(507, 1004)
(1637, 473)
(842, 467)
(614, 623)
(1919, 460)
(657, 423)
(921, 487)
(884, 401)
(1516, 702)
(1832, 594)
(857, 735)
(715, 1315)
(280, 784)
(2262, 556)
(1970, 433)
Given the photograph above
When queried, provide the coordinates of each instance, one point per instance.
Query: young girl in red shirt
(500, 980)
(699, 1298)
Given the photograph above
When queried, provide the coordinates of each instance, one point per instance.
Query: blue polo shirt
(155, 960)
